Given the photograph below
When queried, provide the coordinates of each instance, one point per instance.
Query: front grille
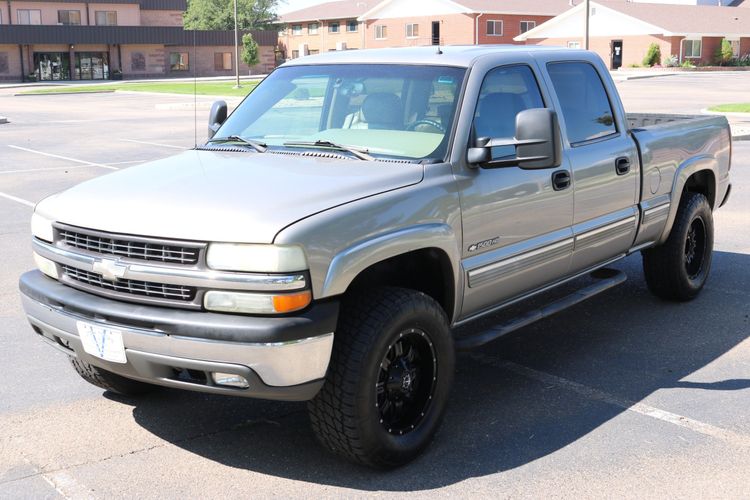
(131, 287)
(139, 249)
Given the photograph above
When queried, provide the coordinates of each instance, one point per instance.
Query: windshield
(384, 110)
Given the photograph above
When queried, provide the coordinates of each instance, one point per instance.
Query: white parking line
(598, 395)
(63, 157)
(126, 162)
(16, 199)
(154, 144)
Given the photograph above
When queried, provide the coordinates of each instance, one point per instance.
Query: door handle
(560, 180)
(622, 165)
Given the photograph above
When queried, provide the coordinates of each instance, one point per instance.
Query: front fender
(350, 262)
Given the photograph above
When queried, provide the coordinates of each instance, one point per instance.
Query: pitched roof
(340, 9)
(539, 7)
(654, 18)
(687, 19)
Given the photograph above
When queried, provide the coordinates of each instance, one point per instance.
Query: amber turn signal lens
(292, 302)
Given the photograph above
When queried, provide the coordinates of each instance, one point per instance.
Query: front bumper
(282, 358)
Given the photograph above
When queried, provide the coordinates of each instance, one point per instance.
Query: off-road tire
(670, 273)
(109, 381)
(345, 415)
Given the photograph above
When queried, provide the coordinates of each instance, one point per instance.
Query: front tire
(109, 381)
(678, 269)
(389, 378)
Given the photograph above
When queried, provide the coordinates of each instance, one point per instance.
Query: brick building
(75, 40)
(621, 32)
(404, 23)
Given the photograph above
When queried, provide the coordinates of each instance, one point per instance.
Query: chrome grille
(139, 249)
(131, 287)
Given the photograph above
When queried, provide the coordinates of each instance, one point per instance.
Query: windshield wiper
(258, 146)
(360, 153)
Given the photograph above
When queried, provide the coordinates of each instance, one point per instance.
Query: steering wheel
(429, 123)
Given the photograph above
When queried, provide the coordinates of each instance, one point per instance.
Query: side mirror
(537, 141)
(216, 117)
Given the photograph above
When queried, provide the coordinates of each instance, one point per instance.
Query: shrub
(687, 64)
(671, 61)
(653, 55)
(723, 55)
(249, 50)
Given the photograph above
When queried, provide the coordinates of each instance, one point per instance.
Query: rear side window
(506, 91)
(586, 110)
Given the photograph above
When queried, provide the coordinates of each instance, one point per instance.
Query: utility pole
(586, 38)
(237, 47)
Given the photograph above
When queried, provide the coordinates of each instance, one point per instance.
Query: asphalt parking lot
(622, 396)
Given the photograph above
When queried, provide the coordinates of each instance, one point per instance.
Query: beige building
(621, 32)
(113, 39)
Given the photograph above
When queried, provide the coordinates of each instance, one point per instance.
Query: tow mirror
(537, 142)
(216, 117)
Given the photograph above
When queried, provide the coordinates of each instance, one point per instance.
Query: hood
(222, 196)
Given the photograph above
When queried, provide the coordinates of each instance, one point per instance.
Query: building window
(527, 25)
(735, 48)
(334, 27)
(296, 29)
(495, 28)
(691, 49)
(106, 18)
(137, 61)
(412, 30)
(69, 17)
(352, 26)
(313, 52)
(26, 16)
(381, 32)
(4, 66)
(312, 29)
(574, 45)
(295, 54)
(179, 61)
(222, 61)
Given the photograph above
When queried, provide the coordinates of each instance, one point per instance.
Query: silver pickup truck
(354, 213)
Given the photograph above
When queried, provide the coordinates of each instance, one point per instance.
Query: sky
(290, 5)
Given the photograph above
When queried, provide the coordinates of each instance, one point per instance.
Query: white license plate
(102, 342)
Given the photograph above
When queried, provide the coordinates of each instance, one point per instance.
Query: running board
(605, 279)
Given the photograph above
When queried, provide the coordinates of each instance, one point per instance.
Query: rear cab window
(586, 108)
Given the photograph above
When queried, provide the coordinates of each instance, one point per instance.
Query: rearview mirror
(216, 117)
(537, 142)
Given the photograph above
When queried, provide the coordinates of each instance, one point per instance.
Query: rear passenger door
(603, 158)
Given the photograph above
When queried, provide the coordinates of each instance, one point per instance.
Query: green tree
(724, 53)
(219, 14)
(249, 50)
(653, 55)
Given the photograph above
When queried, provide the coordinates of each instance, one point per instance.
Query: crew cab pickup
(352, 213)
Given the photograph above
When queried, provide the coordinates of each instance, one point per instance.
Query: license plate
(102, 342)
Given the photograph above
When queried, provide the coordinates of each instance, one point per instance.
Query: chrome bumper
(283, 367)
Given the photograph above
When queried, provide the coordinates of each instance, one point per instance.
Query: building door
(435, 32)
(92, 65)
(616, 54)
(52, 65)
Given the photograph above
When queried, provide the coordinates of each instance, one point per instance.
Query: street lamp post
(586, 38)
(237, 47)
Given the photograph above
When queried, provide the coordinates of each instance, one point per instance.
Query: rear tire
(678, 269)
(109, 381)
(389, 378)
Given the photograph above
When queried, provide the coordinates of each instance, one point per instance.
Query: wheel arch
(423, 257)
(697, 175)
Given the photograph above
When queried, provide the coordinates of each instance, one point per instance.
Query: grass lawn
(739, 107)
(203, 88)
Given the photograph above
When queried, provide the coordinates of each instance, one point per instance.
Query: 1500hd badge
(484, 244)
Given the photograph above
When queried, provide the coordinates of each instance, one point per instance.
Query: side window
(505, 92)
(585, 107)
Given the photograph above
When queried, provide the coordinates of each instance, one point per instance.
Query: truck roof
(450, 55)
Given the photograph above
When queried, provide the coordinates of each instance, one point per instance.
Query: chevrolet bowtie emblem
(110, 269)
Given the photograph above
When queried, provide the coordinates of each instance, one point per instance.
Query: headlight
(256, 258)
(256, 303)
(41, 227)
(46, 266)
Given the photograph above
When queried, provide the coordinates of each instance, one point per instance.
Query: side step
(605, 279)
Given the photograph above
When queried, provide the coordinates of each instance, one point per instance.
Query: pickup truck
(354, 213)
